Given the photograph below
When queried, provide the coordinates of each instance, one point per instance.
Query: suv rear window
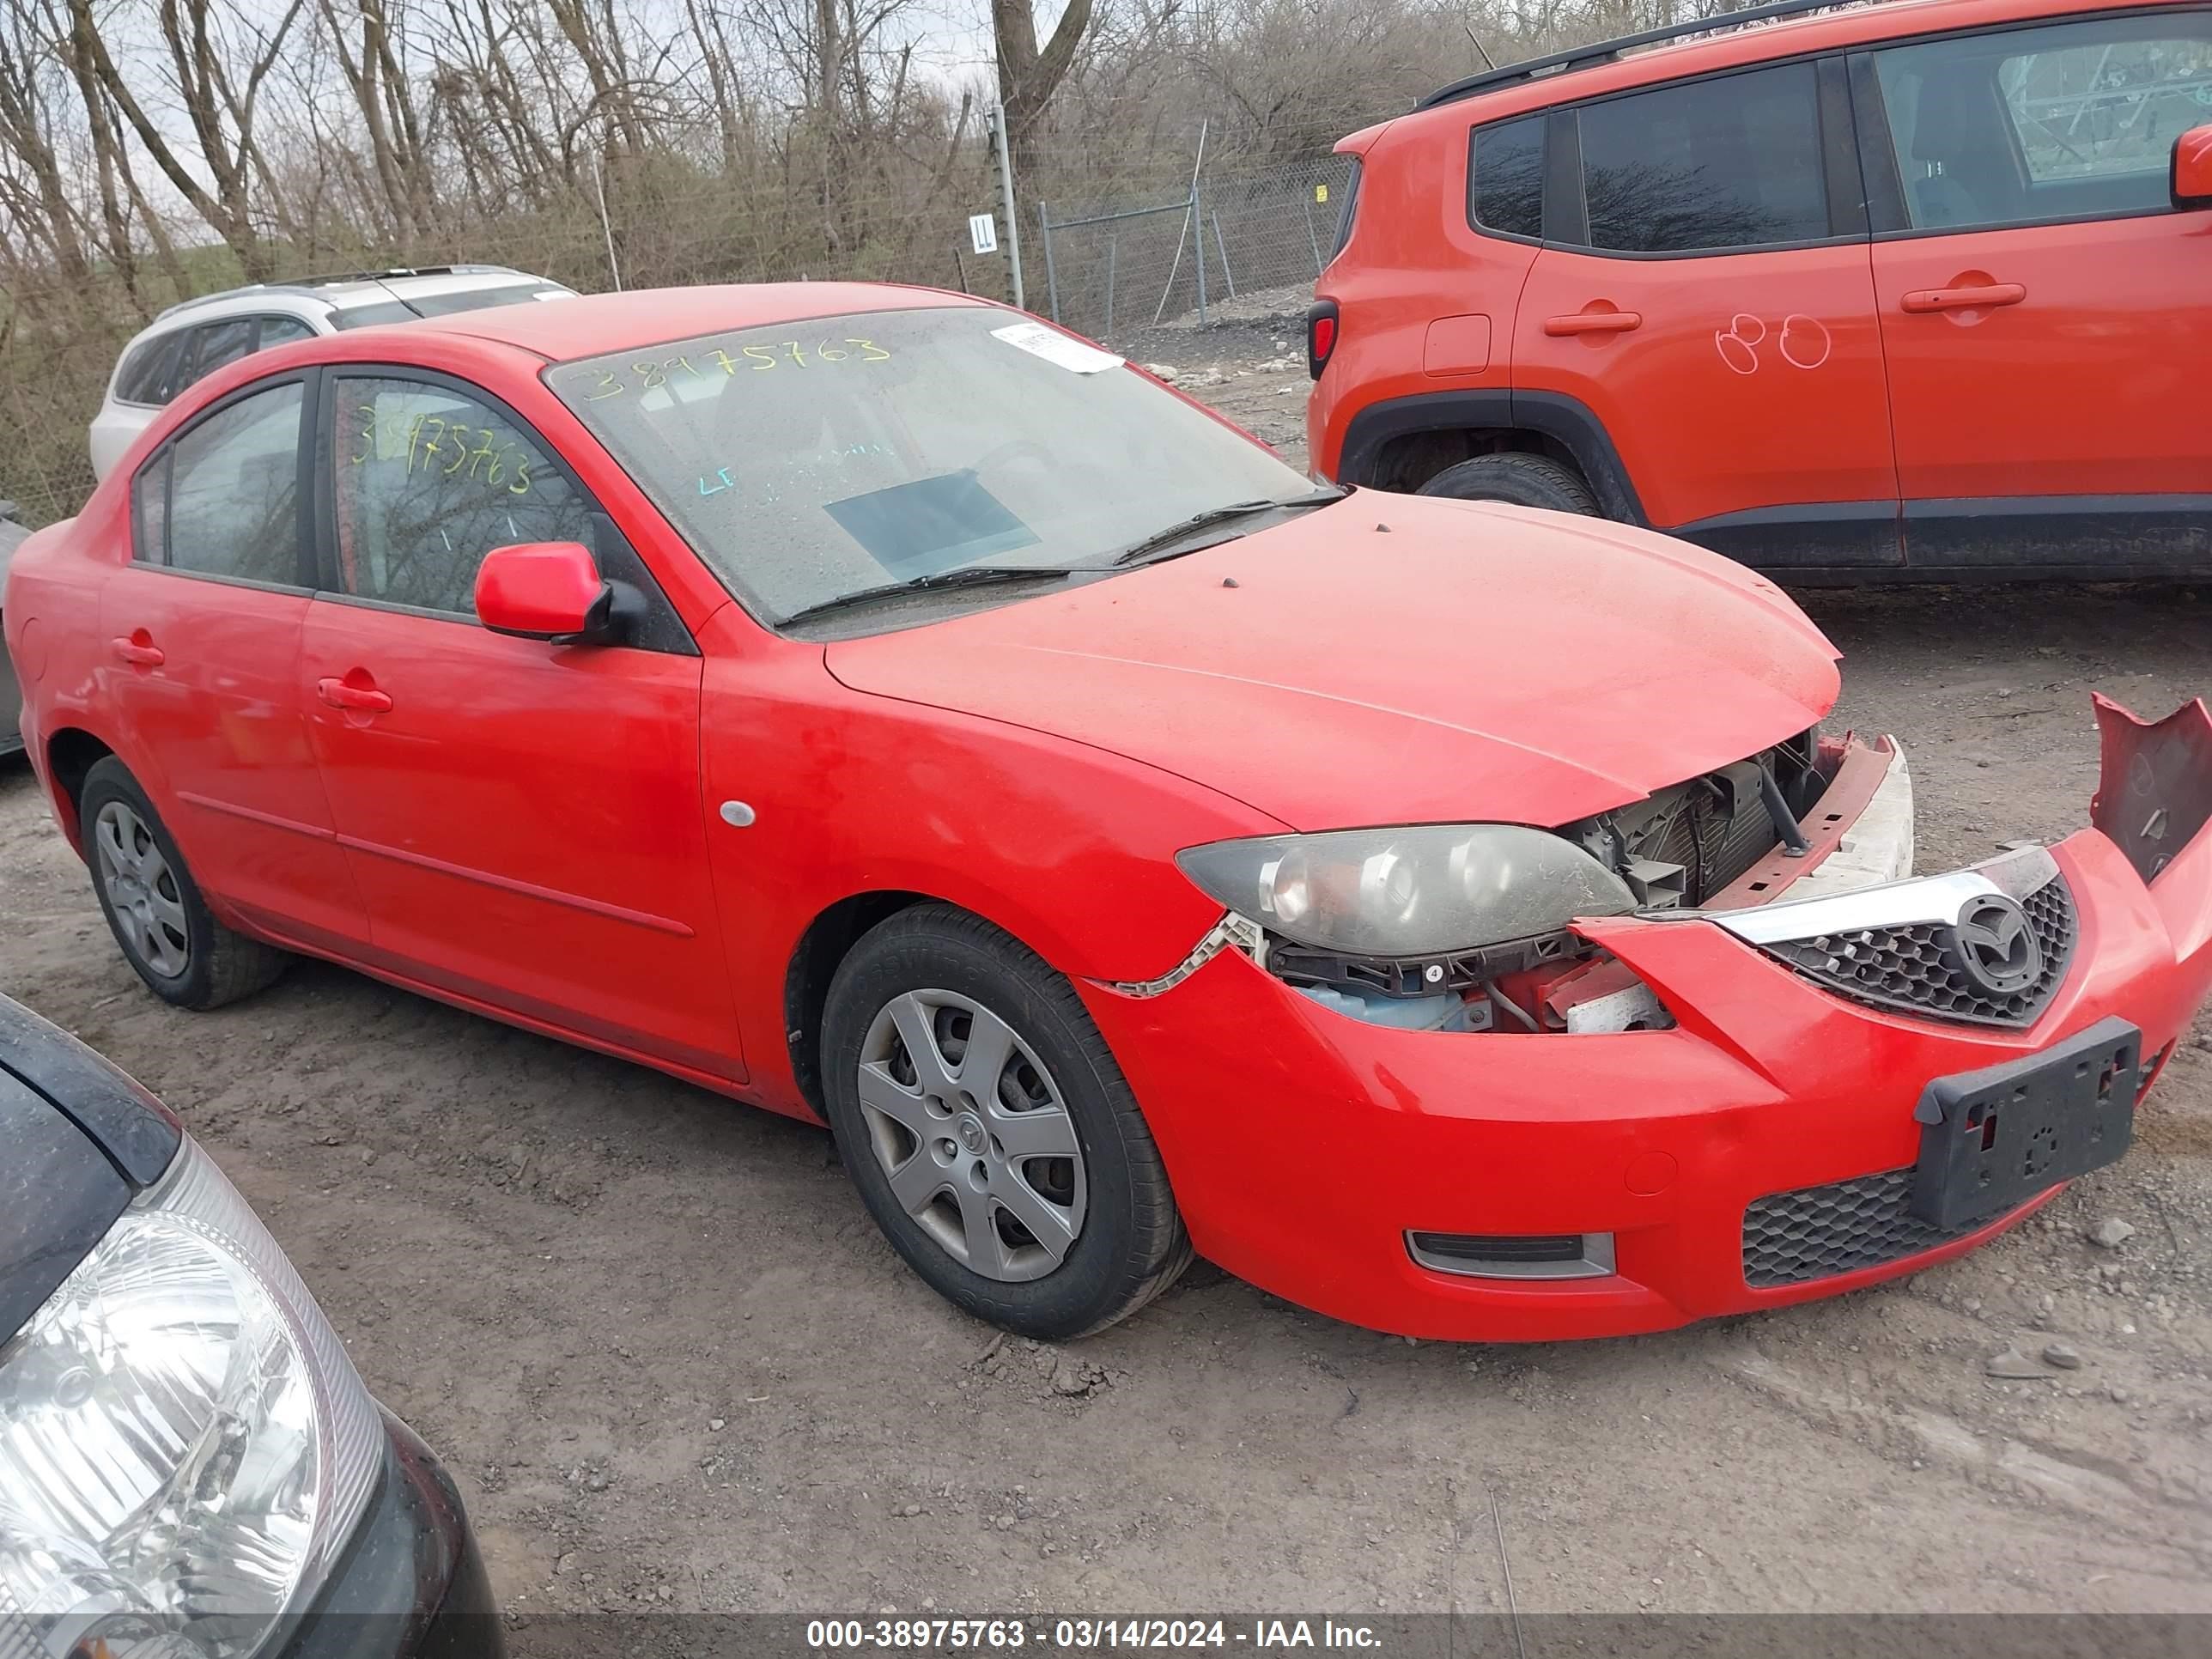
(1729, 162)
(1505, 177)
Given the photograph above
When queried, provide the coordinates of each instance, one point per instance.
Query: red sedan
(878, 706)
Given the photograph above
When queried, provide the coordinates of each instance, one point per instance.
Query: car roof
(1594, 71)
(592, 324)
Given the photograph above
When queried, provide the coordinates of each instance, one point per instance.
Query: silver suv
(189, 341)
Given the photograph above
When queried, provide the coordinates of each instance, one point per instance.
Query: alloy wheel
(142, 893)
(973, 1134)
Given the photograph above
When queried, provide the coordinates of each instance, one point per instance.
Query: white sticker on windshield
(1054, 347)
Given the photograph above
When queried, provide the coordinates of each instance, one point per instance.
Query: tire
(162, 926)
(1520, 480)
(926, 1153)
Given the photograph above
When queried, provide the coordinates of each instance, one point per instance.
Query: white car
(189, 341)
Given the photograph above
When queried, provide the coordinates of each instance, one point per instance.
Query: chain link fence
(1113, 270)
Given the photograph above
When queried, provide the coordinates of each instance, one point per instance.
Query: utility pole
(996, 116)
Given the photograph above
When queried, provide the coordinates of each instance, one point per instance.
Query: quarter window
(149, 510)
(1730, 162)
(232, 496)
(2069, 120)
(428, 481)
(1506, 177)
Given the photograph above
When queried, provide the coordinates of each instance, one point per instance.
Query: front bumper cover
(1305, 1145)
(411, 1584)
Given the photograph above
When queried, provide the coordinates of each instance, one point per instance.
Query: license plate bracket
(1991, 1139)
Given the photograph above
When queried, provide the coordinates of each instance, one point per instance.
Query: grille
(1915, 968)
(1817, 1232)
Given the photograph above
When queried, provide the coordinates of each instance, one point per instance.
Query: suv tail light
(1321, 335)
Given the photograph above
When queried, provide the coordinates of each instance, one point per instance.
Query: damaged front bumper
(1771, 1146)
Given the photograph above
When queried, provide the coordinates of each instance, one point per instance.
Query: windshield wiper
(968, 576)
(1218, 516)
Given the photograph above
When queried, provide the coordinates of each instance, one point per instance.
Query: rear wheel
(1522, 480)
(154, 907)
(990, 1133)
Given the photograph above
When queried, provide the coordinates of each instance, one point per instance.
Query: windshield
(808, 461)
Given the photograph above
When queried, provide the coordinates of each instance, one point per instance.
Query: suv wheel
(1520, 480)
(152, 906)
(989, 1131)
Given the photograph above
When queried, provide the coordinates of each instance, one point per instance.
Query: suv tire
(923, 1143)
(1520, 480)
(152, 906)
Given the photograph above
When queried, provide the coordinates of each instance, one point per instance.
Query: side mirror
(553, 591)
(2191, 179)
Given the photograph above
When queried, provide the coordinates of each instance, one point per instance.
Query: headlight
(1427, 890)
(184, 1444)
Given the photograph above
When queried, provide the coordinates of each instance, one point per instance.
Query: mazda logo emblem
(1995, 946)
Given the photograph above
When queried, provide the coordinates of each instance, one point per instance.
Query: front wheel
(989, 1131)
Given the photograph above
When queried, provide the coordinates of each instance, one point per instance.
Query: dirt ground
(674, 1366)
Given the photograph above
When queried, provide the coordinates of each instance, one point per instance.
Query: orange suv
(1917, 289)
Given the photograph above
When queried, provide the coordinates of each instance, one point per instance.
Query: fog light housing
(1513, 1255)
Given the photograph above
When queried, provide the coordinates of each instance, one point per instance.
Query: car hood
(1393, 659)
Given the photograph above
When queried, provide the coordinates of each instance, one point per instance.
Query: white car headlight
(185, 1447)
(1424, 890)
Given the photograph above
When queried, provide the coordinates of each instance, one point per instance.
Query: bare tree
(34, 192)
(218, 100)
(1028, 77)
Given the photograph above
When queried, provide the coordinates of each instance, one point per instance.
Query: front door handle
(138, 651)
(1980, 296)
(1593, 322)
(365, 699)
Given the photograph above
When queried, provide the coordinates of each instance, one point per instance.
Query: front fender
(1070, 849)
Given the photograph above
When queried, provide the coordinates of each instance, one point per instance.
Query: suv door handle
(1922, 299)
(139, 653)
(1594, 322)
(339, 694)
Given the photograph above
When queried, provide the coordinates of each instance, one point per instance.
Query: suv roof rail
(333, 279)
(1605, 51)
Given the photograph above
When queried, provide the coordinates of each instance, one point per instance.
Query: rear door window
(223, 499)
(216, 345)
(1733, 161)
(1505, 177)
(144, 376)
(282, 330)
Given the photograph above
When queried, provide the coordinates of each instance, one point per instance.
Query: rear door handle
(139, 653)
(1921, 300)
(1593, 322)
(339, 694)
